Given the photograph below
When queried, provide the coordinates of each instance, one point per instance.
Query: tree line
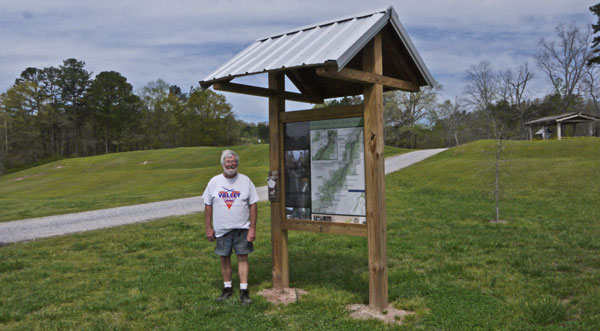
(56, 112)
(497, 103)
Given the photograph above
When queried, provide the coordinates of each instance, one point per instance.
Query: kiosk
(327, 164)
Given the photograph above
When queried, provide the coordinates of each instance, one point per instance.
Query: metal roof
(566, 118)
(335, 42)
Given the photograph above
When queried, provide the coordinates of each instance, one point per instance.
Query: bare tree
(591, 84)
(514, 85)
(482, 90)
(563, 60)
(591, 87)
(450, 114)
(404, 110)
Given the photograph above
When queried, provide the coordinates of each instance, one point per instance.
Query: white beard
(231, 172)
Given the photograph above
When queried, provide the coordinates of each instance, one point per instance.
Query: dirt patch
(19, 178)
(145, 162)
(284, 296)
(389, 315)
(59, 167)
(498, 222)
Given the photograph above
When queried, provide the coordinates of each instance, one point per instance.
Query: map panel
(337, 170)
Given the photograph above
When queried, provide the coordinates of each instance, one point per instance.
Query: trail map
(337, 167)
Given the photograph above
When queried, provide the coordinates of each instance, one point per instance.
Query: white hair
(229, 153)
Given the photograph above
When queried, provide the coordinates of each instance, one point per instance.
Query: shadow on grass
(343, 268)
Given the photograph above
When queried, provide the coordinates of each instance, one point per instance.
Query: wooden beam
(303, 83)
(264, 92)
(375, 177)
(400, 56)
(326, 113)
(363, 77)
(326, 227)
(279, 238)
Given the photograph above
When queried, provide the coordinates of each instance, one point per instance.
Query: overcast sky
(183, 41)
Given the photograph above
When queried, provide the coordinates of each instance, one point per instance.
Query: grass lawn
(123, 179)
(446, 262)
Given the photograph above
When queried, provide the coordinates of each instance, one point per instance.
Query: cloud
(183, 41)
(27, 15)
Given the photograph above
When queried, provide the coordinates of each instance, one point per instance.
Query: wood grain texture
(326, 227)
(279, 238)
(357, 76)
(264, 92)
(375, 178)
(322, 113)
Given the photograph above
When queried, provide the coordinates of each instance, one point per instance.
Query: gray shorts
(235, 239)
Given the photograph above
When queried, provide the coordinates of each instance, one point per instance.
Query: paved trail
(49, 226)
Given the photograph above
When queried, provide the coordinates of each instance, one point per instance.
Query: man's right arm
(210, 232)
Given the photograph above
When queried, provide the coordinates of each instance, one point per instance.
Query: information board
(324, 170)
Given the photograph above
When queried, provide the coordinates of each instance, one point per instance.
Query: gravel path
(42, 227)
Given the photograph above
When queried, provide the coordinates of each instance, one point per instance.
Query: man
(230, 218)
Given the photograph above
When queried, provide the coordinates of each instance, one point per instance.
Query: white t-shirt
(230, 199)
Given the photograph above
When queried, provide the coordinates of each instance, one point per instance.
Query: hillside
(446, 262)
(541, 268)
(556, 178)
(121, 179)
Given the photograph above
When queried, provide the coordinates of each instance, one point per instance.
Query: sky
(182, 41)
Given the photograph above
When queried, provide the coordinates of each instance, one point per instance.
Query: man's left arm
(252, 230)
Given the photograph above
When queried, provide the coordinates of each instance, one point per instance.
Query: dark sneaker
(226, 294)
(245, 297)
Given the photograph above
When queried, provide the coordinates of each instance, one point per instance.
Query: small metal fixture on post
(272, 185)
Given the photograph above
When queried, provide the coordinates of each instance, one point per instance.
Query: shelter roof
(334, 44)
(572, 117)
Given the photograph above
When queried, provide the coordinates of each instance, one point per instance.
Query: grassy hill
(446, 262)
(122, 179)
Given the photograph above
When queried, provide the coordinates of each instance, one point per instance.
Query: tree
(591, 85)
(113, 107)
(263, 132)
(21, 134)
(482, 91)
(513, 89)
(403, 110)
(213, 117)
(595, 56)
(73, 80)
(563, 60)
(156, 118)
(452, 119)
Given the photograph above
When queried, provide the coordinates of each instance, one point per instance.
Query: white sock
(227, 284)
(243, 286)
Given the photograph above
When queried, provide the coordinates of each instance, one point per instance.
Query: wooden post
(591, 129)
(375, 177)
(558, 131)
(279, 238)
(530, 132)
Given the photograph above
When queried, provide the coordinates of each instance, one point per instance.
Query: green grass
(446, 262)
(113, 180)
(391, 151)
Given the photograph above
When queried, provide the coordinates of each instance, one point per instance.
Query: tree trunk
(106, 141)
(497, 175)
(5, 134)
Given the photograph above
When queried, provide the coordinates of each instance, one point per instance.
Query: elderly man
(230, 218)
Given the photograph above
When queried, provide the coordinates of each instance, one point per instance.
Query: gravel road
(42, 227)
